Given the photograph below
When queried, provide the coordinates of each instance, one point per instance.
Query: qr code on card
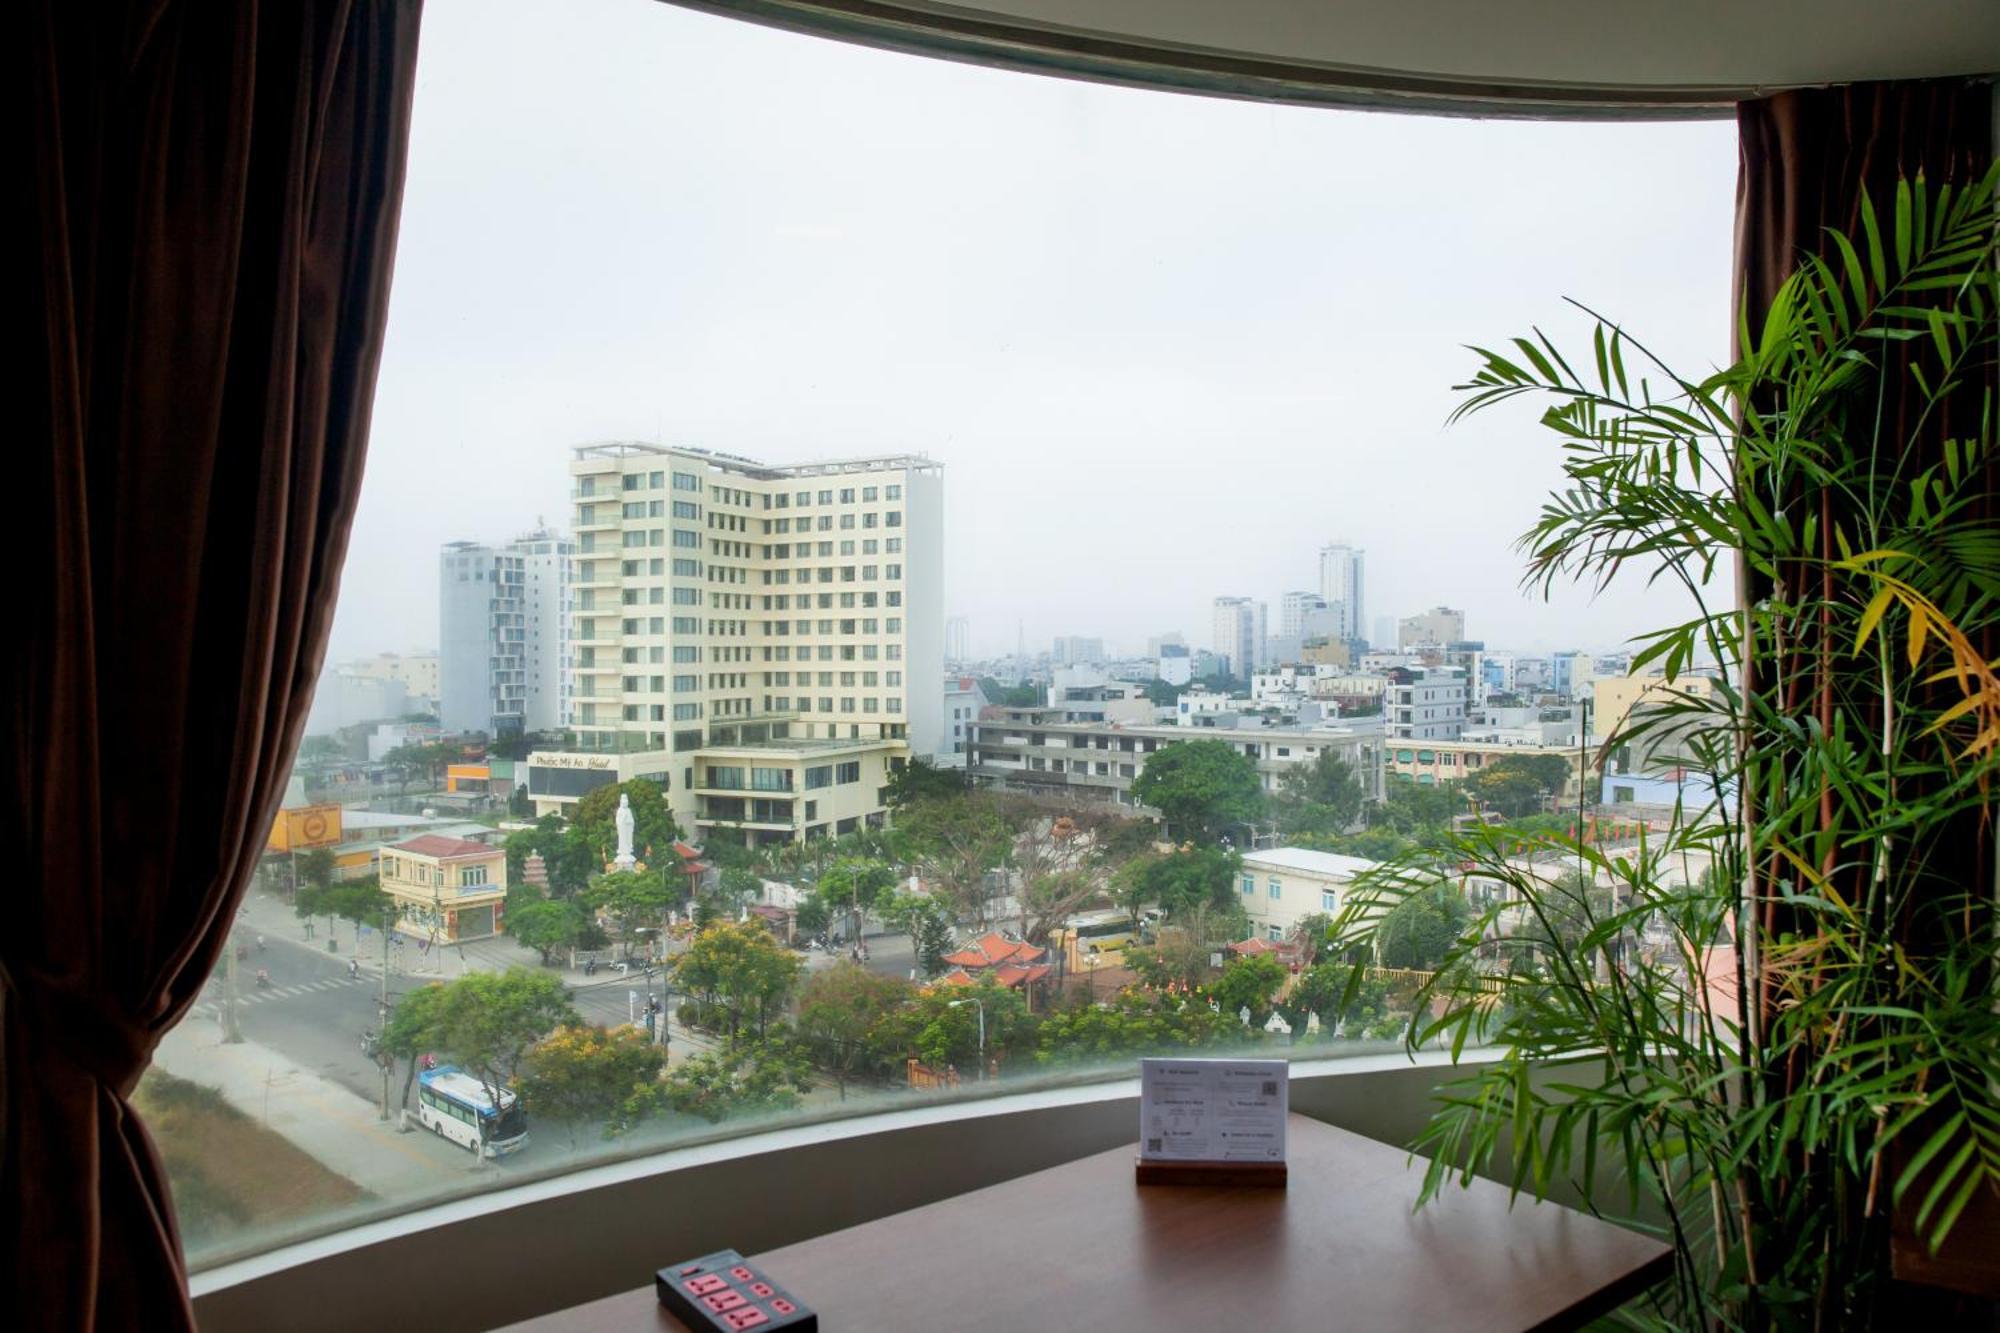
(1154, 1145)
(1270, 1087)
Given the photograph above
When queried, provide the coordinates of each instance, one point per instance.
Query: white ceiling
(1534, 57)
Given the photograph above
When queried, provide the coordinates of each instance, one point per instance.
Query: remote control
(723, 1293)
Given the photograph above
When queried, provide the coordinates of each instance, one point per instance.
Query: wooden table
(1081, 1246)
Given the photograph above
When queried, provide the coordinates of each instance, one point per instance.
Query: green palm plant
(1773, 1025)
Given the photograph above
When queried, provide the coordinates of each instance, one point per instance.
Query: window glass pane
(1109, 391)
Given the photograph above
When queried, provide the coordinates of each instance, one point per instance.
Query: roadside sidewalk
(327, 1122)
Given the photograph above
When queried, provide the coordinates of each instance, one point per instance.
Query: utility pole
(381, 1051)
(232, 1030)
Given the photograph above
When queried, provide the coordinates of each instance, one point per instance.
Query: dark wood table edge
(1609, 1297)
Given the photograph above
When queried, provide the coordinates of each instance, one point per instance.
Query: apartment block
(1424, 705)
(1293, 608)
(1240, 628)
(1038, 750)
(1343, 570)
(725, 606)
(503, 621)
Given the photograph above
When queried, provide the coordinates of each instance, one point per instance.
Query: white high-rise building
(503, 632)
(1343, 585)
(1241, 625)
(751, 619)
(1293, 608)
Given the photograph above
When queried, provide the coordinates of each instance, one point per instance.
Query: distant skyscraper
(957, 633)
(1076, 650)
(1241, 625)
(1171, 639)
(503, 634)
(1343, 585)
(1385, 633)
(1293, 608)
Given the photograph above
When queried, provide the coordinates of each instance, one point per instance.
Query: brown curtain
(211, 193)
(1805, 159)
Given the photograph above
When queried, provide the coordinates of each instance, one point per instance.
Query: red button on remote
(783, 1306)
(724, 1300)
(748, 1317)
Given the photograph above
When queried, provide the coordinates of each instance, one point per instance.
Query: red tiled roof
(992, 948)
(445, 849)
(685, 852)
(956, 977)
(1011, 975)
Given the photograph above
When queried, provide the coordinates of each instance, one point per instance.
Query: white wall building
(1241, 626)
(1281, 886)
(1173, 664)
(962, 701)
(503, 634)
(1293, 608)
(1343, 585)
(1424, 705)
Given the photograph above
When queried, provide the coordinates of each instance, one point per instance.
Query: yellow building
(1614, 699)
(446, 889)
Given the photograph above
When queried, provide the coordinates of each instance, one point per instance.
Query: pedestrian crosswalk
(210, 1006)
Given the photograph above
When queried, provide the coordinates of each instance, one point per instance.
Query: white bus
(454, 1105)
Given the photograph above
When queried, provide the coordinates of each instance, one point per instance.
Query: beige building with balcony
(445, 889)
(728, 615)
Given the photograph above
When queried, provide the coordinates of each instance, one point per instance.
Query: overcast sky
(1165, 346)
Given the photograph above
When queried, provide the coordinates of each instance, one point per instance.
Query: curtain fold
(202, 296)
(1805, 159)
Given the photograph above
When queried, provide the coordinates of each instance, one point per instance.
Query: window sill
(490, 1258)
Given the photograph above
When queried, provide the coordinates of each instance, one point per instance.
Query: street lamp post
(980, 1005)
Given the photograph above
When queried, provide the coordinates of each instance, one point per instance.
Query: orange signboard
(306, 826)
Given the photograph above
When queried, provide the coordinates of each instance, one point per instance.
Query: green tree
(1310, 934)
(812, 916)
(546, 926)
(582, 1075)
(1516, 785)
(926, 921)
(415, 1028)
(316, 866)
(740, 970)
(957, 842)
(853, 887)
(1420, 931)
(754, 1074)
(839, 1013)
(1190, 879)
(1202, 788)
(1181, 958)
(635, 899)
(940, 1027)
(486, 1021)
(1418, 811)
(1132, 1022)
(920, 780)
(1323, 796)
(1250, 983)
(360, 901)
(593, 827)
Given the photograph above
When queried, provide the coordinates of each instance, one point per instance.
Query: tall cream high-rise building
(778, 631)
